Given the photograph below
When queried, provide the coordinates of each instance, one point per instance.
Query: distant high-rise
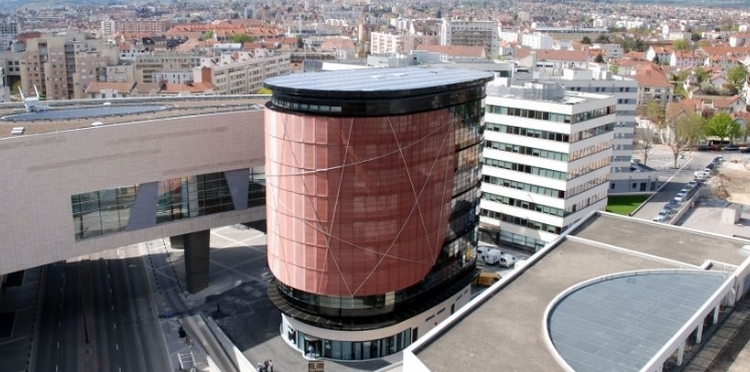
(473, 33)
(372, 180)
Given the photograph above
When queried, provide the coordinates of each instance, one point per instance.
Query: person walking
(270, 365)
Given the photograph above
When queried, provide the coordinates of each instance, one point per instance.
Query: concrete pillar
(716, 315)
(196, 245)
(680, 354)
(699, 333)
(177, 242)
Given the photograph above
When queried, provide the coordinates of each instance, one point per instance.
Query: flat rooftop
(379, 79)
(506, 333)
(67, 115)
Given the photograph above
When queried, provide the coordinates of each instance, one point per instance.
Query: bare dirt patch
(732, 180)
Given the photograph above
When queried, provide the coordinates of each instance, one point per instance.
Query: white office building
(546, 161)
(625, 176)
(537, 41)
(473, 33)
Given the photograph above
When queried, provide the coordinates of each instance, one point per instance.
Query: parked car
(680, 197)
(704, 148)
(660, 218)
(667, 212)
(487, 278)
(745, 150)
(731, 148)
(673, 204)
(693, 184)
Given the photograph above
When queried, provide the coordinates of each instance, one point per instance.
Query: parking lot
(676, 181)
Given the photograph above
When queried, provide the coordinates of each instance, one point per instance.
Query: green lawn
(625, 204)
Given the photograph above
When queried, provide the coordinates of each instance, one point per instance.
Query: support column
(699, 333)
(716, 315)
(196, 245)
(177, 242)
(680, 354)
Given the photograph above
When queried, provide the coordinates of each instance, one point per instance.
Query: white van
(492, 256)
(507, 260)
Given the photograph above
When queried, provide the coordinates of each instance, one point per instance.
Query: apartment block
(546, 161)
(8, 30)
(146, 67)
(388, 43)
(138, 26)
(61, 67)
(471, 33)
(242, 72)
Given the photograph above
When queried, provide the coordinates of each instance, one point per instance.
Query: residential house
(683, 60)
(553, 62)
(739, 39)
(661, 52)
(653, 84)
(104, 90)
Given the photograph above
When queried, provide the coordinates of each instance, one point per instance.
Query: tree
(300, 42)
(680, 45)
(654, 113)
(695, 36)
(737, 74)
(686, 130)
(645, 137)
(614, 68)
(242, 38)
(206, 35)
(701, 75)
(599, 58)
(602, 38)
(586, 40)
(721, 125)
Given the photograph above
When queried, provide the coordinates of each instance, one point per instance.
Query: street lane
(57, 345)
(96, 315)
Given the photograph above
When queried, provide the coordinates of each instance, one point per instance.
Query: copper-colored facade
(357, 206)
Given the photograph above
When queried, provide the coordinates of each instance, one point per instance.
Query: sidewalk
(236, 300)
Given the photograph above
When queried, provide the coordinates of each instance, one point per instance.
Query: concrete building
(546, 161)
(388, 43)
(9, 28)
(146, 66)
(157, 176)
(61, 67)
(373, 178)
(623, 178)
(572, 33)
(471, 33)
(537, 40)
(612, 294)
(242, 72)
(136, 26)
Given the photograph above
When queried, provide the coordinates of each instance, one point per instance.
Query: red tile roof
(650, 76)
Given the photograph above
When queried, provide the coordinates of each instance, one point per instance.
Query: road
(100, 311)
(694, 161)
(57, 346)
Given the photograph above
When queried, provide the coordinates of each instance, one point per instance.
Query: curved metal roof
(619, 324)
